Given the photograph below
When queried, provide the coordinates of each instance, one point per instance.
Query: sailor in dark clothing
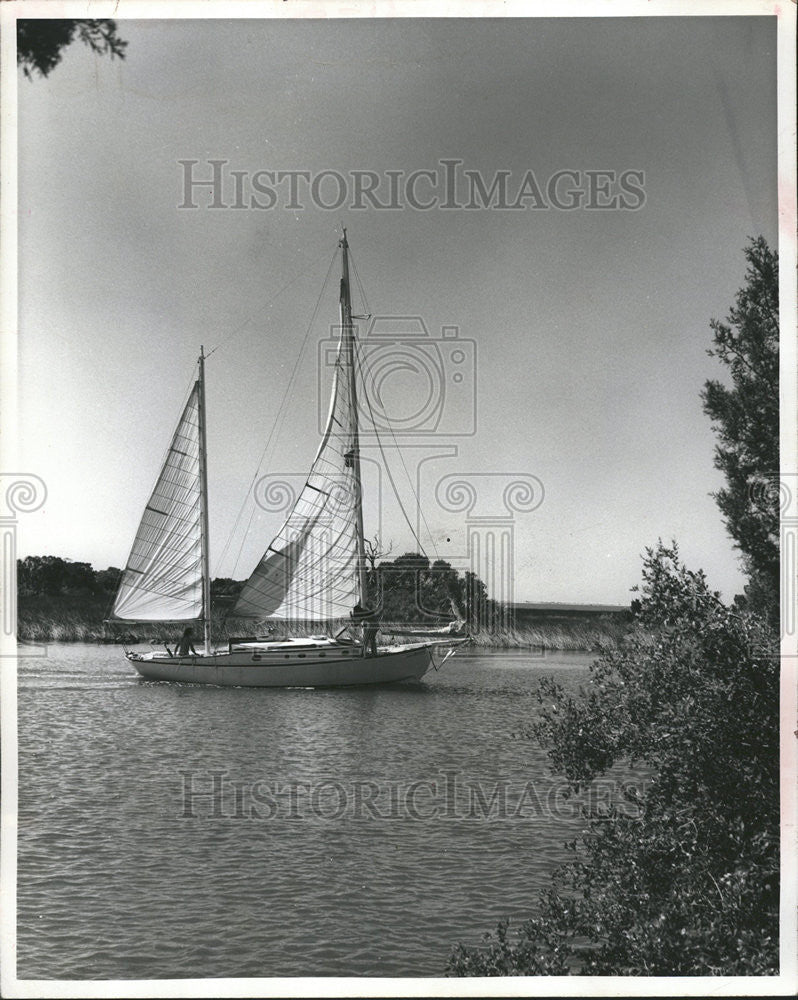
(368, 620)
(186, 646)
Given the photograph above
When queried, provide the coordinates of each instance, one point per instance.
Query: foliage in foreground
(745, 417)
(690, 886)
(41, 41)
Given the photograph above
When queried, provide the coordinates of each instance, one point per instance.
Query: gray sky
(591, 326)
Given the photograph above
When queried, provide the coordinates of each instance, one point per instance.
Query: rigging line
(390, 474)
(275, 430)
(276, 427)
(360, 288)
(234, 333)
(401, 457)
(415, 495)
(407, 474)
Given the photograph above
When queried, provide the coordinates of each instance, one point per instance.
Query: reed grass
(51, 619)
(571, 636)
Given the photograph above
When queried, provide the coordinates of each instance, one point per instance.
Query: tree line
(51, 576)
(409, 588)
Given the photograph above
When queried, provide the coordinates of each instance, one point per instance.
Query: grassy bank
(574, 636)
(61, 619)
(64, 619)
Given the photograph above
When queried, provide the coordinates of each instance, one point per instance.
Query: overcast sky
(589, 328)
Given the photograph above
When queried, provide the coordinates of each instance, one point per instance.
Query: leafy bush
(689, 886)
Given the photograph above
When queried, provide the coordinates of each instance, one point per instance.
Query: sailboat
(314, 570)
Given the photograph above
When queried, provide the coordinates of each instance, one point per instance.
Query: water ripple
(119, 879)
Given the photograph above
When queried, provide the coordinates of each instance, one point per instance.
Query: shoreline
(572, 636)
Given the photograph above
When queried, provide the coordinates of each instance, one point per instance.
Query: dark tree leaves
(411, 589)
(745, 417)
(683, 877)
(690, 885)
(40, 42)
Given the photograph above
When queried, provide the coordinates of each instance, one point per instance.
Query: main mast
(204, 545)
(349, 344)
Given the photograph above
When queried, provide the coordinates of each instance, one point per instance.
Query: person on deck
(186, 646)
(368, 620)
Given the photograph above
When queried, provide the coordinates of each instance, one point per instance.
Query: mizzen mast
(204, 543)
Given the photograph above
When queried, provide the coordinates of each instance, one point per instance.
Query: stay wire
(388, 468)
(360, 288)
(225, 340)
(362, 292)
(275, 428)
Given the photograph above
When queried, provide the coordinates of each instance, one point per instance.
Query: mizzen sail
(162, 580)
(311, 570)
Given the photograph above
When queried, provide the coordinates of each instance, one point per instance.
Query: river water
(178, 831)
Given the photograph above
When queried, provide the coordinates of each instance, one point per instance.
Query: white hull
(290, 666)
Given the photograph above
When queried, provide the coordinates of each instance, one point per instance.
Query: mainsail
(163, 577)
(312, 569)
